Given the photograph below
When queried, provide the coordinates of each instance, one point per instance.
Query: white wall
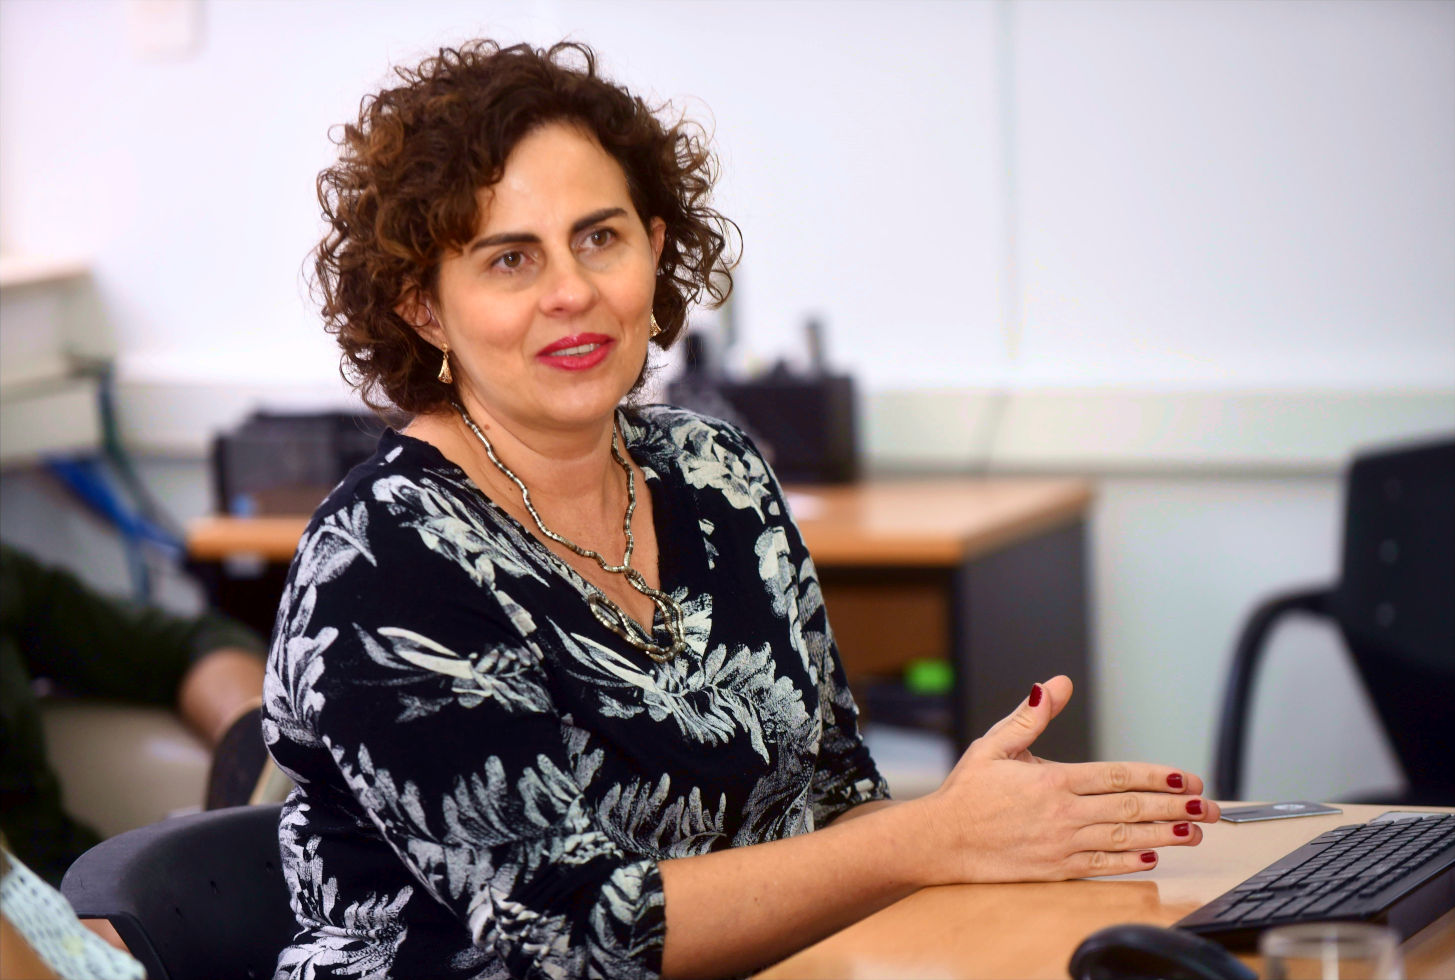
(1237, 193)
(1198, 250)
(189, 182)
(1177, 564)
(1196, 193)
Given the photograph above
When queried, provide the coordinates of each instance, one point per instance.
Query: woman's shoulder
(408, 506)
(692, 434)
(379, 501)
(398, 461)
(712, 456)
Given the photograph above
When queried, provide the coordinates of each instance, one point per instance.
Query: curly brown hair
(402, 196)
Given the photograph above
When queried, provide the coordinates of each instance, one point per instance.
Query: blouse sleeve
(403, 655)
(845, 775)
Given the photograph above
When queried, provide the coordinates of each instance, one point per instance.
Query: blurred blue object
(87, 480)
(130, 508)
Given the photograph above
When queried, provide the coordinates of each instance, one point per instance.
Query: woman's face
(547, 310)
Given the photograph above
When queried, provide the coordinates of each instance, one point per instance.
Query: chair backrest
(1395, 604)
(237, 762)
(197, 897)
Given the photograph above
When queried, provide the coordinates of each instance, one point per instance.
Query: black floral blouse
(487, 776)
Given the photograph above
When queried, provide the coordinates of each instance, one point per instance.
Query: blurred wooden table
(1022, 931)
(985, 572)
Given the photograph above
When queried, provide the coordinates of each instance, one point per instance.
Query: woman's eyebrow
(530, 238)
(596, 217)
(504, 238)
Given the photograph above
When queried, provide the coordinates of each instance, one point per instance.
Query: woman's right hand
(1003, 814)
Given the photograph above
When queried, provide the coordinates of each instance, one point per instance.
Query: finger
(1058, 692)
(1092, 864)
(1145, 808)
(1015, 733)
(1136, 836)
(1091, 778)
(1182, 781)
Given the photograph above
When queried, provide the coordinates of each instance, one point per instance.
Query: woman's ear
(657, 229)
(416, 311)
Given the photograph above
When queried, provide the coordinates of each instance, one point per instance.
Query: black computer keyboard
(1400, 873)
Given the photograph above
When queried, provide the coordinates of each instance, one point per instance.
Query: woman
(554, 676)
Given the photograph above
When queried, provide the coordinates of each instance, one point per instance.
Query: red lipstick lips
(576, 353)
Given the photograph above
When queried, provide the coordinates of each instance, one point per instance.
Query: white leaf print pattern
(709, 464)
(696, 619)
(509, 676)
(401, 810)
(707, 527)
(709, 701)
(362, 943)
(638, 816)
(447, 526)
(614, 946)
(641, 814)
(290, 689)
(775, 568)
(476, 817)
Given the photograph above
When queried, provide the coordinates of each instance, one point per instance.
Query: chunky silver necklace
(608, 613)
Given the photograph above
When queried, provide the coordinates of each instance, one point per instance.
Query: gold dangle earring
(444, 376)
(656, 327)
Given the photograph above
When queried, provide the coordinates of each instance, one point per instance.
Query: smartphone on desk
(1276, 811)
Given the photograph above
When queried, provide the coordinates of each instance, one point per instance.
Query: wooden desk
(988, 572)
(1012, 932)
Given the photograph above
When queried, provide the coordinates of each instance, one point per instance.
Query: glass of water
(1331, 951)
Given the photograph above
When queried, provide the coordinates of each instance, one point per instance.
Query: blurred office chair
(1394, 605)
(237, 762)
(242, 772)
(197, 897)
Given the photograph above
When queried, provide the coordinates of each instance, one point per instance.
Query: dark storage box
(277, 463)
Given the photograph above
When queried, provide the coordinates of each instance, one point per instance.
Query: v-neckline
(636, 434)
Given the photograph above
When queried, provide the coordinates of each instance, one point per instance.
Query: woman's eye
(509, 260)
(600, 238)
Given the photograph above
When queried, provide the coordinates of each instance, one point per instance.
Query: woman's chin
(584, 405)
(575, 414)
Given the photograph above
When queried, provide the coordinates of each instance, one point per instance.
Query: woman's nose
(569, 288)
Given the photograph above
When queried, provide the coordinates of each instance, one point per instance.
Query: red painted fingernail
(1149, 857)
(1035, 697)
(1175, 780)
(1182, 829)
(1194, 806)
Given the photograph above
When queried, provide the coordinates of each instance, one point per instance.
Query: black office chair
(1394, 604)
(237, 762)
(197, 897)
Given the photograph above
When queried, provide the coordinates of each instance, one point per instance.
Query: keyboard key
(1261, 910)
(1297, 905)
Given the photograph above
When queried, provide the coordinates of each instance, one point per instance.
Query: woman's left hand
(1003, 814)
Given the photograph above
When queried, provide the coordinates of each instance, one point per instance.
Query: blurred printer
(278, 463)
(804, 423)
